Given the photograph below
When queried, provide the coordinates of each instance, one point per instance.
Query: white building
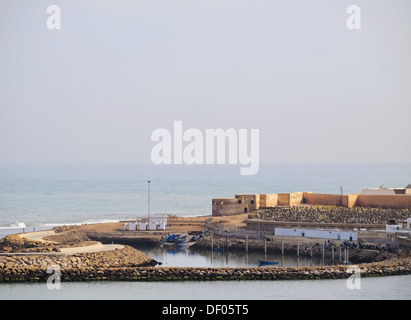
(142, 226)
(143, 223)
(320, 234)
(393, 227)
(399, 228)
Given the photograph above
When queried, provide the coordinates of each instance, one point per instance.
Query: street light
(148, 185)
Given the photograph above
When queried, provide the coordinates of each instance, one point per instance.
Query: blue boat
(265, 262)
(182, 237)
(171, 238)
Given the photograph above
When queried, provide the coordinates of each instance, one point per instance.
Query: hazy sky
(97, 88)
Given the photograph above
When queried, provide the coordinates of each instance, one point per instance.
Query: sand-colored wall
(249, 202)
(283, 199)
(322, 199)
(226, 207)
(296, 198)
(290, 199)
(240, 204)
(398, 201)
(349, 200)
(268, 200)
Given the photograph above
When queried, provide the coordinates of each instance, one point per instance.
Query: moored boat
(266, 262)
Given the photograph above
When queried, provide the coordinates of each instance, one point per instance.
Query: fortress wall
(249, 202)
(283, 199)
(322, 199)
(226, 207)
(398, 201)
(240, 204)
(349, 200)
(268, 200)
(296, 198)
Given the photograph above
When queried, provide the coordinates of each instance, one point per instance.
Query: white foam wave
(18, 224)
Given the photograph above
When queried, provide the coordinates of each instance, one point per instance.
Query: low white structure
(142, 226)
(320, 234)
(155, 222)
(399, 228)
(143, 223)
(393, 227)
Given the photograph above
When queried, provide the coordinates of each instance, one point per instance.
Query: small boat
(181, 237)
(171, 238)
(266, 262)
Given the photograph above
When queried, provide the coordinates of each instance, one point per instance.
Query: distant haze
(96, 89)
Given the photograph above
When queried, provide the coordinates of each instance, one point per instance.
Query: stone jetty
(126, 257)
(68, 272)
(24, 259)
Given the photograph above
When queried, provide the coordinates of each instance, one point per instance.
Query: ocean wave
(17, 224)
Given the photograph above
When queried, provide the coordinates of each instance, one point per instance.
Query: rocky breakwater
(92, 272)
(83, 266)
(22, 259)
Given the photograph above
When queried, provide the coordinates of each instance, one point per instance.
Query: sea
(38, 196)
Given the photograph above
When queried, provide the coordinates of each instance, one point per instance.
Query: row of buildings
(398, 198)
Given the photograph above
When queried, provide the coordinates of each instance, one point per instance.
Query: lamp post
(148, 185)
